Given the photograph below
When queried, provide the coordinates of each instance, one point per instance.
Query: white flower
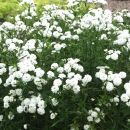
(12, 47)
(18, 92)
(80, 68)
(53, 115)
(60, 69)
(57, 47)
(97, 109)
(50, 74)
(40, 111)
(124, 98)
(103, 76)
(104, 37)
(8, 25)
(109, 86)
(59, 29)
(6, 105)
(32, 108)
(11, 98)
(26, 101)
(77, 77)
(122, 75)
(57, 82)
(117, 81)
(8, 41)
(18, 74)
(26, 78)
(56, 34)
(54, 101)
(127, 86)
(90, 118)
(128, 103)
(54, 66)
(70, 75)
(79, 31)
(97, 120)
(25, 126)
(76, 37)
(118, 18)
(86, 127)
(76, 89)
(37, 81)
(6, 99)
(114, 56)
(39, 72)
(94, 114)
(62, 76)
(116, 99)
(86, 79)
(67, 68)
(41, 103)
(128, 92)
(20, 109)
(54, 89)
(72, 82)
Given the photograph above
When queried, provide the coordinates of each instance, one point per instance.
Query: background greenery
(9, 8)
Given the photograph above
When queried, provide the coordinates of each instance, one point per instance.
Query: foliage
(7, 8)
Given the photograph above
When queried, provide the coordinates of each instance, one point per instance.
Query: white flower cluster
(118, 18)
(7, 26)
(110, 79)
(86, 127)
(36, 73)
(53, 115)
(123, 38)
(125, 97)
(95, 115)
(52, 28)
(72, 3)
(98, 18)
(32, 105)
(2, 68)
(112, 54)
(13, 44)
(70, 73)
(12, 97)
(54, 101)
(25, 66)
(57, 47)
(103, 37)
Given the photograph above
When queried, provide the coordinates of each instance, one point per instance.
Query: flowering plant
(65, 68)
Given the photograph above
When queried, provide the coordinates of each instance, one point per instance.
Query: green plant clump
(65, 67)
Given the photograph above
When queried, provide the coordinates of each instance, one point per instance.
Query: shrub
(65, 68)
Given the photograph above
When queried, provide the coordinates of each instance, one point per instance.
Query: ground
(118, 4)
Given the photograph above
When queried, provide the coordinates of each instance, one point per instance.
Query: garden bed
(65, 68)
